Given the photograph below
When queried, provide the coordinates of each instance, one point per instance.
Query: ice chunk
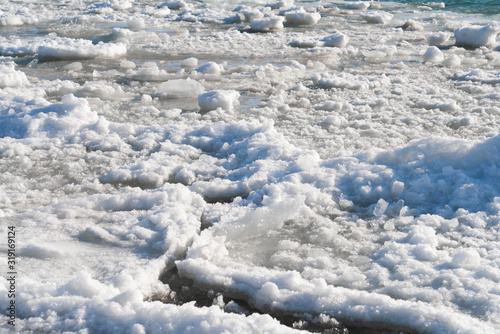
(190, 62)
(397, 188)
(281, 4)
(433, 55)
(359, 5)
(10, 77)
(136, 24)
(176, 5)
(76, 66)
(452, 61)
(436, 4)
(178, 88)
(209, 68)
(380, 208)
(269, 24)
(477, 36)
(412, 25)
(301, 17)
(102, 91)
(251, 14)
(304, 42)
(377, 17)
(467, 259)
(337, 39)
(423, 235)
(68, 48)
(16, 20)
(478, 75)
(225, 99)
(127, 64)
(349, 81)
(438, 38)
(18, 47)
(42, 251)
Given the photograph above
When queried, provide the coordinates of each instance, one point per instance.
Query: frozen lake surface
(249, 167)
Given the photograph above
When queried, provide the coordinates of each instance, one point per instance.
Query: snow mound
(209, 68)
(438, 38)
(179, 88)
(433, 55)
(300, 17)
(225, 99)
(359, 5)
(67, 48)
(337, 39)
(269, 24)
(477, 36)
(10, 77)
(377, 17)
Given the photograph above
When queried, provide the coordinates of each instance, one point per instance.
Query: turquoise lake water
(488, 7)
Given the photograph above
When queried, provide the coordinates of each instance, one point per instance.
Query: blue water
(487, 7)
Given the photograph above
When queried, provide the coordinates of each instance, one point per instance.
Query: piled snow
(212, 100)
(10, 77)
(477, 36)
(209, 68)
(300, 17)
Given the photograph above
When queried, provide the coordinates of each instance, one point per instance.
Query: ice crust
(288, 157)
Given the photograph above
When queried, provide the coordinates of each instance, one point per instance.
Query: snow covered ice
(250, 167)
